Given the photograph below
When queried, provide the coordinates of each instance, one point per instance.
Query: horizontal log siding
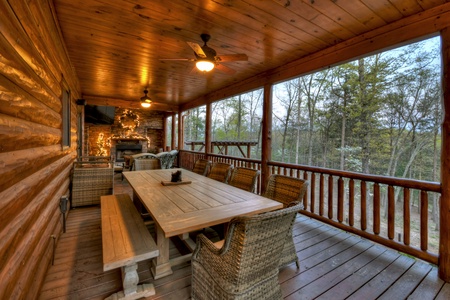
(34, 169)
(334, 195)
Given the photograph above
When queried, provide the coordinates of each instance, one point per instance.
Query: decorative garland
(129, 120)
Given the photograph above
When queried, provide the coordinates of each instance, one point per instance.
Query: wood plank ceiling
(116, 46)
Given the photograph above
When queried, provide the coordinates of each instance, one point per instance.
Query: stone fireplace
(127, 146)
(137, 131)
(127, 149)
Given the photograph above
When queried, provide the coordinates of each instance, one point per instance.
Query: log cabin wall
(34, 167)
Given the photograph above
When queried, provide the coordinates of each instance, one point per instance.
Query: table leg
(161, 265)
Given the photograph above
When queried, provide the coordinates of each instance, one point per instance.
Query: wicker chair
(147, 164)
(220, 171)
(246, 267)
(244, 178)
(286, 190)
(201, 166)
(91, 178)
(139, 156)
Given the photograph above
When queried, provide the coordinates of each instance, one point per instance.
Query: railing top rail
(250, 160)
(404, 182)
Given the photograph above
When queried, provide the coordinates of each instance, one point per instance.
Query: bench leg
(131, 289)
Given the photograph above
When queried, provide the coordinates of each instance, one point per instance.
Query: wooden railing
(378, 208)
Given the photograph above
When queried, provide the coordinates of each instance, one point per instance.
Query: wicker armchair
(220, 171)
(201, 166)
(92, 177)
(139, 156)
(244, 178)
(246, 267)
(286, 190)
(147, 164)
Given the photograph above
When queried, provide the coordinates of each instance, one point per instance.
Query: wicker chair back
(201, 166)
(244, 178)
(147, 164)
(220, 171)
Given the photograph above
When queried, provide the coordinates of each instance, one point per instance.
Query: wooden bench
(125, 241)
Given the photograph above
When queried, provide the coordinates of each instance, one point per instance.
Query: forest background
(379, 115)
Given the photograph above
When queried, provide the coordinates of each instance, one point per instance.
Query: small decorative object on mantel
(175, 180)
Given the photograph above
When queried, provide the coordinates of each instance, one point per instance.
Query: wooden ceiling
(116, 46)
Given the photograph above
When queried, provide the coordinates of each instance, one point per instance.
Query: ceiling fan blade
(180, 59)
(197, 49)
(232, 57)
(225, 69)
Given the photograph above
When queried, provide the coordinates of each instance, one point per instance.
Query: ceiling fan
(206, 58)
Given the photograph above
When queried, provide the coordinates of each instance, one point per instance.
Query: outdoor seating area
(225, 149)
(333, 264)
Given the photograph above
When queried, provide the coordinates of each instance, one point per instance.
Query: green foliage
(378, 115)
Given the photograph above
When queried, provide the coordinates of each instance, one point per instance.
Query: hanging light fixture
(204, 65)
(146, 102)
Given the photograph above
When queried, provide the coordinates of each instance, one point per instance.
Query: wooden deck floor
(333, 265)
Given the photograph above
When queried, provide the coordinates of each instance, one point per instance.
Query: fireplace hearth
(127, 149)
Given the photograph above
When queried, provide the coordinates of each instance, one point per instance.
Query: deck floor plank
(333, 265)
(429, 287)
(380, 283)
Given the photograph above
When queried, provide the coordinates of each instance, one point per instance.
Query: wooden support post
(266, 140)
(174, 133)
(208, 126)
(164, 137)
(444, 243)
(180, 130)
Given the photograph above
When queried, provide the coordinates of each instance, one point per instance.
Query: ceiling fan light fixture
(204, 65)
(146, 102)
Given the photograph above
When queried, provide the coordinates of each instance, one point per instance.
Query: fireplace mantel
(129, 139)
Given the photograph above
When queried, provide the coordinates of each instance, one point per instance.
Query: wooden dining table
(197, 202)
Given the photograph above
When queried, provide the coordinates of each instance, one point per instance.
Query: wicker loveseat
(92, 177)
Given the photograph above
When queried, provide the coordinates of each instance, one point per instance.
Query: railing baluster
(391, 212)
(376, 208)
(351, 202)
(423, 220)
(305, 198)
(363, 205)
(330, 197)
(340, 199)
(406, 217)
(321, 194)
(312, 188)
